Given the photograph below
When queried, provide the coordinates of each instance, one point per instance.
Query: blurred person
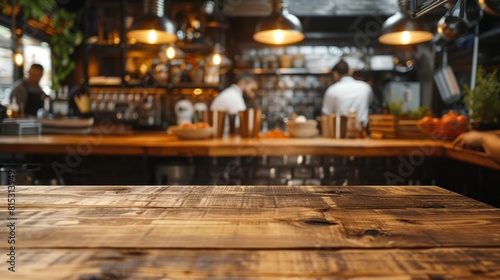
(235, 97)
(482, 141)
(346, 93)
(27, 91)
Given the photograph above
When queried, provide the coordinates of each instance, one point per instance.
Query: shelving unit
(284, 91)
(109, 54)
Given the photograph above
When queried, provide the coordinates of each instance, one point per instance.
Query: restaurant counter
(160, 144)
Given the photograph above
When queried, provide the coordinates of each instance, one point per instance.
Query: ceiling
(237, 8)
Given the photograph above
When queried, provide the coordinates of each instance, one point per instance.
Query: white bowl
(192, 133)
(303, 133)
(309, 124)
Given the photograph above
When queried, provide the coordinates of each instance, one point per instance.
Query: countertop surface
(247, 232)
(162, 144)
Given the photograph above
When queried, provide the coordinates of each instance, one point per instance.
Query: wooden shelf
(283, 71)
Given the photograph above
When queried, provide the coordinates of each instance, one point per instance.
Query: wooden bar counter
(161, 144)
(248, 232)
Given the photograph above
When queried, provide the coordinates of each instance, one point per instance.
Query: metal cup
(216, 119)
(250, 122)
(337, 126)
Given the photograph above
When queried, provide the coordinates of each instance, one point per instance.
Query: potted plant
(60, 24)
(483, 101)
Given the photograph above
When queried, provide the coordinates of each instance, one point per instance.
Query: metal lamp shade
(279, 29)
(400, 29)
(152, 29)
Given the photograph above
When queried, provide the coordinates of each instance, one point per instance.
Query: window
(35, 51)
(6, 65)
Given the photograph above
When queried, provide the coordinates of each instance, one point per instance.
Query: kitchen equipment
(447, 85)
(66, 125)
(184, 111)
(21, 127)
(407, 92)
(381, 62)
(456, 21)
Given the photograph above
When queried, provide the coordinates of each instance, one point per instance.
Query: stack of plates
(21, 127)
(305, 129)
(66, 126)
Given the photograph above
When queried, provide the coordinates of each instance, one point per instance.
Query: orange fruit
(461, 119)
(186, 125)
(425, 120)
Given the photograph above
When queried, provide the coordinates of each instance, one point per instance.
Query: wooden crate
(382, 126)
(408, 129)
(390, 126)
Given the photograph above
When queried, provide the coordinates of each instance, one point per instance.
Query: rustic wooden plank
(255, 228)
(441, 263)
(316, 197)
(248, 232)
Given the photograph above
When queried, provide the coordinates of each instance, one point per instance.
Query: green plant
(396, 107)
(484, 100)
(65, 35)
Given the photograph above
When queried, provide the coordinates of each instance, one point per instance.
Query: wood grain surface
(249, 232)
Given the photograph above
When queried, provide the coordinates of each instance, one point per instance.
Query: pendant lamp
(280, 27)
(401, 29)
(153, 27)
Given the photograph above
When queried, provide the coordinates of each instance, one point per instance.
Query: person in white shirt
(347, 93)
(232, 99)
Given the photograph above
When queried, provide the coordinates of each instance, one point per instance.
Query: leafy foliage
(66, 36)
(484, 99)
(396, 108)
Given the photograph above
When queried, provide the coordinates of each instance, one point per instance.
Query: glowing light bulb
(216, 59)
(279, 36)
(152, 36)
(18, 59)
(170, 52)
(405, 37)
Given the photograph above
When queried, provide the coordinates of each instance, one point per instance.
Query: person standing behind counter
(28, 93)
(347, 93)
(232, 99)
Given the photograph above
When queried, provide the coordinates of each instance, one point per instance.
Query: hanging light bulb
(18, 59)
(401, 29)
(216, 59)
(170, 51)
(219, 59)
(153, 27)
(279, 28)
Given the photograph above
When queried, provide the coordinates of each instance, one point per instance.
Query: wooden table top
(249, 232)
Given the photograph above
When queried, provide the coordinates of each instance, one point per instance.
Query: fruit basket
(447, 127)
(441, 131)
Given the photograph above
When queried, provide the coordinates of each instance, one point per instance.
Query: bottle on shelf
(352, 124)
